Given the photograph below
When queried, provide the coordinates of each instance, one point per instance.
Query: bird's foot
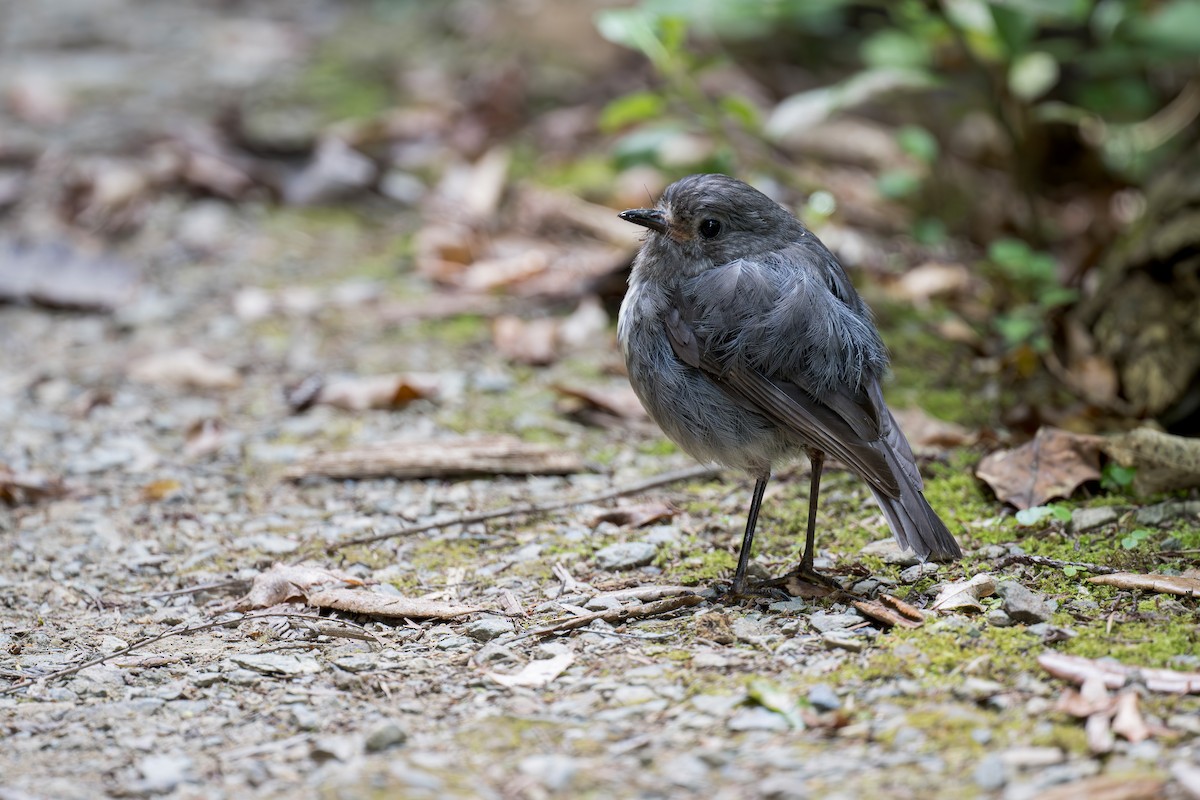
(804, 582)
(750, 590)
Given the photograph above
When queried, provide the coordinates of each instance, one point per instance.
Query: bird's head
(705, 221)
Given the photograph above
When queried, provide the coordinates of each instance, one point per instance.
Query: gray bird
(747, 344)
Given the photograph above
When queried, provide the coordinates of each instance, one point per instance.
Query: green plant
(1029, 287)
(1135, 539)
(1117, 479)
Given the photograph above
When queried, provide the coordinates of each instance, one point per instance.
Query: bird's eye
(710, 228)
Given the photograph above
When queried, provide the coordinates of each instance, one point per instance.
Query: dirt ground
(172, 422)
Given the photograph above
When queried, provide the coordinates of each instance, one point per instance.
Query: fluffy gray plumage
(747, 344)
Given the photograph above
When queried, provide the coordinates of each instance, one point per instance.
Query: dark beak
(650, 218)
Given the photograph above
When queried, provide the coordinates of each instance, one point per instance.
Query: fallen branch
(615, 615)
(1045, 561)
(694, 473)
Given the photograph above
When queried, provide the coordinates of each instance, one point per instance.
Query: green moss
(1148, 642)
(702, 568)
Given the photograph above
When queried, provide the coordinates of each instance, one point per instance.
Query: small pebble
(823, 698)
(626, 555)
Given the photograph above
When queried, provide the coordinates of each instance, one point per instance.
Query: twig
(176, 631)
(614, 615)
(1044, 561)
(203, 587)
(533, 508)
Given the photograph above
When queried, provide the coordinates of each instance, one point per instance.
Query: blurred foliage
(1074, 96)
(1118, 74)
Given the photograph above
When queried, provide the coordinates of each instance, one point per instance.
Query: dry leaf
(506, 269)
(284, 583)
(925, 430)
(536, 673)
(1053, 465)
(28, 487)
(1099, 734)
(1107, 787)
(376, 391)
(965, 595)
(440, 458)
(618, 400)
(1187, 584)
(1163, 462)
(158, 490)
(186, 368)
(1093, 698)
(888, 616)
(636, 516)
(374, 604)
(904, 609)
(204, 437)
(1079, 669)
(533, 342)
(929, 280)
(1128, 722)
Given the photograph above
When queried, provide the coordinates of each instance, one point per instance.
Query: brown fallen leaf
(931, 279)
(440, 458)
(536, 673)
(1078, 669)
(1187, 584)
(361, 393)
(1128, 722)
(204, 437)
(1092, 698)
(1107, 787)
(284, 583)
(888, 616)
(1163, 462)
(533, 342)
(927, 431)
(904, 609)
(374, 604)
(185, 368)
(503, 270)
(1098, 732)
(636, 516)
(618, 400)
(1054, 464)
(17, 488)
(156, 491)
(965, 595)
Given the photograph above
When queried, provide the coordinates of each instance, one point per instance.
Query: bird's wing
(726, 322)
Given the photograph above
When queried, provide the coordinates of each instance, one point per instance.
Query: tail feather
(913, 521)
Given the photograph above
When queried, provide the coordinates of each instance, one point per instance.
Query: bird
(746, 342)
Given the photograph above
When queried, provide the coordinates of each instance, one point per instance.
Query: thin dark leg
(814, 491)
(739, 575)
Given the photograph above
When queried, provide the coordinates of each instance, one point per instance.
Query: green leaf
(632, 108)
(897, 183)
(1017, 327)
(742, 110)
(770, 696)
(918, 143)
(1135, 538)
(893, 48)
(1115, 478)
(1028, 517)
(1070, 571)
(1174, 29)
(1056, 296)
(1032, 75)
(930, 231)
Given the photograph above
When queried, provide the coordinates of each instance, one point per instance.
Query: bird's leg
(817, 458)
(739, 575)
